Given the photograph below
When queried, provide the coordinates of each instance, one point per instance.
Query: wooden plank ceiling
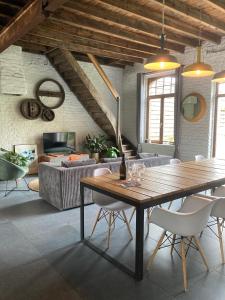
(118, 32)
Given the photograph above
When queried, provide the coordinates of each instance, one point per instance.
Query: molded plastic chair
(10, 171)
(187, 223)
(110, 208)
(218, 212)
(199, 157)
(175, 161)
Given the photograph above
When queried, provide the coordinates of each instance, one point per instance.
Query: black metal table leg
(82, 212)
(139, 243)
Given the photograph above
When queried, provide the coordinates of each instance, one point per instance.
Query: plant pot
(95, 156)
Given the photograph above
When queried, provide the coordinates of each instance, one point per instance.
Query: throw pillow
(77, 163)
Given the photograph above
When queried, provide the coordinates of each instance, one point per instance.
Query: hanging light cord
(162, 36)
(200, 28)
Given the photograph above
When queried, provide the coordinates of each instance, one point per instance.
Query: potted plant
(112, 152)
(96, 145)
(15, 158)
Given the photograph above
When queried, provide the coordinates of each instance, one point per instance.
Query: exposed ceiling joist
(151, 16)
(80, 48)
(111, 17)
(27, 18)
(73, 19)
(187, 11)
(96, 36)
(218, 4)
(65, 38)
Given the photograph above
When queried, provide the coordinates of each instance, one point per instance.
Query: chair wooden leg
(96, 221)
(151, 259)
(197, 243)
(109, 229)
(173, 242)
(184, 267)
(127, 223)
(132, 214)
(220, 239)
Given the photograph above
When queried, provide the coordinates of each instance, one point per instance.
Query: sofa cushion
(77, 163)
(146, 155)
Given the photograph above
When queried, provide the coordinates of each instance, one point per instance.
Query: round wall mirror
(193, 107)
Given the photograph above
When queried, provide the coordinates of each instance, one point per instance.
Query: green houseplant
(112, 152)
(96, 145)
(14, 158)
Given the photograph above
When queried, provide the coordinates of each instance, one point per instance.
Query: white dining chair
(187, 224)
(218, 215)
(173, 161)
(110, 209)
(199, 157)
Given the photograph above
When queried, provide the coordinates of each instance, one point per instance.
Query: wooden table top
(164, 183)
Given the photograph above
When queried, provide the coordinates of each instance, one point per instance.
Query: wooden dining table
(158, 185)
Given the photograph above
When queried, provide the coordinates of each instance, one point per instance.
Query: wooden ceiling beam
(217, 4)
(51, 25)
(65, 38)
(114, 18)
(27, 18)
(171, 24)
(11, 4)
(8, 10)
(76, 20)
(80, 48)
(193, 13)
(28, 46)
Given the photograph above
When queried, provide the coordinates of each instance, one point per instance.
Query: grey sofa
(60, 186)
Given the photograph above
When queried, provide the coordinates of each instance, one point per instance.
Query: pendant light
(162, 61)
(219, 77)
(198, 69)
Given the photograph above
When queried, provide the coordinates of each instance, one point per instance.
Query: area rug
(34, 185)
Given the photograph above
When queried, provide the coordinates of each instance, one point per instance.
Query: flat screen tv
(59, 142)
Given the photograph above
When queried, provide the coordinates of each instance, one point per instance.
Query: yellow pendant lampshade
(219, 77)
(161, 61)
(198, 69)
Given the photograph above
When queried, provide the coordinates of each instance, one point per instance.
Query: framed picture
(30, 152)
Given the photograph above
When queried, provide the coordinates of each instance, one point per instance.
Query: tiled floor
(41, 258)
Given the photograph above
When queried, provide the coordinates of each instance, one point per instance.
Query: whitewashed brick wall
(71, 116)
(12, 80)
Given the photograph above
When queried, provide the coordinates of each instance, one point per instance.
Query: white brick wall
(12, 79)
(71, 116)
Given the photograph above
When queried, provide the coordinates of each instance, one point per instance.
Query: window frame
(162, 97)
(217, 96)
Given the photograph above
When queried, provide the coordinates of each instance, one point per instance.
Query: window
(160, 115)
(219, 144)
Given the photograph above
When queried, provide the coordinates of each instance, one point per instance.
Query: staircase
(128, 148)
(72, 73)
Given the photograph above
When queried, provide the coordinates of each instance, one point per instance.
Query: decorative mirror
(50, 93)
(193, 107)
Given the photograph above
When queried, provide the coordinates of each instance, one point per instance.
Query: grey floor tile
(209, 287)
(35, 281)
(15, 248)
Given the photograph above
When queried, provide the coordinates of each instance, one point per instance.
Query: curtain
(141, 108)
